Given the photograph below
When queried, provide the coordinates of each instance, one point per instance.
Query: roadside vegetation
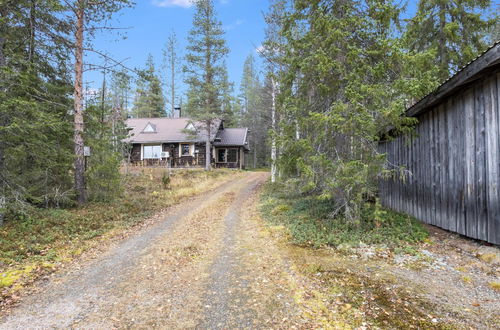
(39, 240)
(311, 221)
(388, 270)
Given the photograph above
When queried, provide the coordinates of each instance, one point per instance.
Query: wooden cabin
(181, 142)
(453, 162)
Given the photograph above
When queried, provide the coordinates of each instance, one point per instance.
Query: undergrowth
(42, 237)
(309, 222)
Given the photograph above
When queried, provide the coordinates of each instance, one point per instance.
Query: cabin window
(151, 152)
(150, 128)
(185, 150)
(232, 155)
(221, 155)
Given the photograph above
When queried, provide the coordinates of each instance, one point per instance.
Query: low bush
(310, 222)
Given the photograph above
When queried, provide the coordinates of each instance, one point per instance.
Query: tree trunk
(208, 151)
(2, 123)
(254, 151)
(443, 55)
(31, 52)
(273, 127)
(79, 163)
(172, 64)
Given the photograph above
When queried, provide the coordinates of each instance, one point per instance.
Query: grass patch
(54, 235)
(308, 221)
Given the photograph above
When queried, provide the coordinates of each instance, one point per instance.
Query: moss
(495, 286)
(467, 279)
(309, 222)
(280, 209)
(488, 257)
(344, 294)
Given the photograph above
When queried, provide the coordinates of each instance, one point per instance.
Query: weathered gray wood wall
(453, 164)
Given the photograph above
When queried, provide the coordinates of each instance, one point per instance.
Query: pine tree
(85, 13)
(205, 69)
(149, 101)
(454, 29)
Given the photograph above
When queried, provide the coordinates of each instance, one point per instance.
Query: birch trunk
(79, 163)
(273, 126)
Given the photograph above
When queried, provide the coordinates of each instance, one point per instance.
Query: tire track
(71, 296)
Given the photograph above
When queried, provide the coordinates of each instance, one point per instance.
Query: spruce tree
(340, 82)
(149, 101)
(35, 131)
(454, 29)
(205, 69)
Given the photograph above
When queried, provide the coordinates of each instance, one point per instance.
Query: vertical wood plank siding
(452, 164)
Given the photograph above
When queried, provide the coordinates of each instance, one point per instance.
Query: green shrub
(310, 221)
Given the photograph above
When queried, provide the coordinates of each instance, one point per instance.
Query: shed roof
(469, 73)
(167, 130)
(232, 137)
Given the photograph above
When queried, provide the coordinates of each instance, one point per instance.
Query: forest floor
(213, 262)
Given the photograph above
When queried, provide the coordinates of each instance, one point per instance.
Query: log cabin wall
(198, 160)
(452, 163)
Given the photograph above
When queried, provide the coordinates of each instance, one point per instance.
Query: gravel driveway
(192, 269)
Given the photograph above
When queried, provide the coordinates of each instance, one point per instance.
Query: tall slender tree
(204, 69)
(172, 64)
(87, 13)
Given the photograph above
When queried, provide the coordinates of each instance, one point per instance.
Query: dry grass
(166, 289)
(47, 239)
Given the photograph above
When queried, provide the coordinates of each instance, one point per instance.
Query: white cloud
(172, 3)
(233, 25)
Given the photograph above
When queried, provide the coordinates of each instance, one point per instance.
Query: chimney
(177, 112)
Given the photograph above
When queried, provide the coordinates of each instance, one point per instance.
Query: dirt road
(203, 266)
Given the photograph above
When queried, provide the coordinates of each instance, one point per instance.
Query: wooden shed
(453, 161)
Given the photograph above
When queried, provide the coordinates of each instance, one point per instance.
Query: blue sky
(151, 21)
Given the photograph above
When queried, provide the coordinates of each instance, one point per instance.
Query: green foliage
(311, 220)
(340, 88)
(455, 30)
(205, 67)
(149, 101)
(103, 135)
(255, 113)
(35, 130)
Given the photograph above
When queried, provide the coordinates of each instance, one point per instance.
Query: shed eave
(467, 74)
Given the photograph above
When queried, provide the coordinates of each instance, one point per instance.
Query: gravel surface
(212, 263)
(185, 271)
